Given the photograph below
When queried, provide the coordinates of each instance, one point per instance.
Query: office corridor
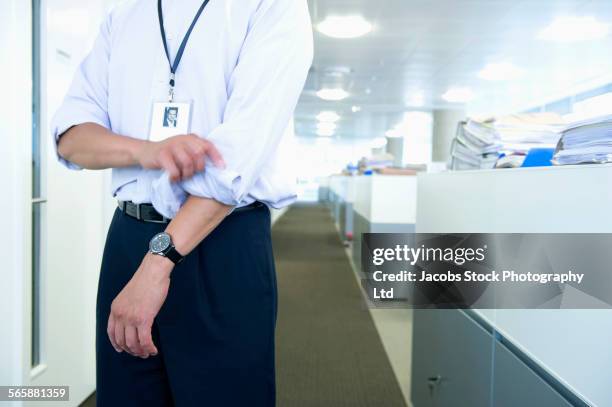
(328, 350)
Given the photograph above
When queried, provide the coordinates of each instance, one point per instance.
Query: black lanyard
(179, 53)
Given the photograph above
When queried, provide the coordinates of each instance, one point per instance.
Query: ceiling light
(326, 126)
(325, 132)
(328, 116)
(503, 71)
(574, 29)
(458, 95)
(344, 26)
(332, 94)
(355, 109)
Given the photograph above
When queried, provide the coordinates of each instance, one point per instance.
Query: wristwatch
(161, 244)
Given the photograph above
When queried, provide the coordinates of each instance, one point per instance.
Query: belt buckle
(163, 220)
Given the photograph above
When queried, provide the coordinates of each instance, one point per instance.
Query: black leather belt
(147, 213)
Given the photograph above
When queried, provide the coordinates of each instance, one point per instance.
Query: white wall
(15, 130)
(75, 216)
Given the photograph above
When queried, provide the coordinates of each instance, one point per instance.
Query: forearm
(94, 147)
(196, 219)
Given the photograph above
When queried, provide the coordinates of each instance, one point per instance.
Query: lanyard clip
(171, 90)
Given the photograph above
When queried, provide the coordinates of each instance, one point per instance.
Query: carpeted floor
(328, 350)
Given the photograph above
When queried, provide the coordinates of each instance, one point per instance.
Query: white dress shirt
(243, 68)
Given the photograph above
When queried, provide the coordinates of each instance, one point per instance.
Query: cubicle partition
(514, 357)
(345, 216)
(324, 190)
(336, 185)
(383, 204)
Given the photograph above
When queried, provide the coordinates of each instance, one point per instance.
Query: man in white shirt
(193, 197)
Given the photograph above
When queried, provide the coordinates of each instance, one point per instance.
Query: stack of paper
(586, 141)
(478, 144)
(475, 146)
(375, 161)
(527, 130)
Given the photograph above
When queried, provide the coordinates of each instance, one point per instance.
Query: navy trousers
(214, 333)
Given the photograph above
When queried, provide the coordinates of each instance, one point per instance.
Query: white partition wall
(55, 345)
(571, 345)
(383, 204)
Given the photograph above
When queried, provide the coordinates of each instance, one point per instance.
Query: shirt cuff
(63, 121)
(213, 183)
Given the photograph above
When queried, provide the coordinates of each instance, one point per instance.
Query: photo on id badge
(169, 119)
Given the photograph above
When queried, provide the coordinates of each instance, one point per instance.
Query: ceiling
(426, 46)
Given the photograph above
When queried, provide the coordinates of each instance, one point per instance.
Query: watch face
(160, 242)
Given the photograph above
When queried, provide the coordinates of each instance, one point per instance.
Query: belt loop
(138, 212)
(124, 206)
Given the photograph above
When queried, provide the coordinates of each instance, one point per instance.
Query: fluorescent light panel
(332, 94)
(344, 26)
(326, 126)
(328, 116)
(574, 29)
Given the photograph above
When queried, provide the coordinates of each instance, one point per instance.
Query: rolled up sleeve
(263, 91)
(87, 97)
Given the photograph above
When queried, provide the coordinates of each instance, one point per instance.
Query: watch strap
(173, 255)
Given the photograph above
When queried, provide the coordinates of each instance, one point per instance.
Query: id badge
(169, 119)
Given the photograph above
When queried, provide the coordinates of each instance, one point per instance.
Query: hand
(133, 310)
(181, 156)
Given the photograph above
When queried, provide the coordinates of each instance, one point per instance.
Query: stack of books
(586, 141)
(475, 146)
(479, 144)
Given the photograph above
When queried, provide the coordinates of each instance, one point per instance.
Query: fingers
(110, 331)
(185, 162)
(120, 336)
(201, 148)
(197, 151)
(146, 340)
(214, 154)
(166, 160)
(133, 342)
(136, 340)
(185, 155)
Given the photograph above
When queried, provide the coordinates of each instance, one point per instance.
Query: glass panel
(36, 187)
(594, 92)
(36, 286)
(36, 153)
(563, 106)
